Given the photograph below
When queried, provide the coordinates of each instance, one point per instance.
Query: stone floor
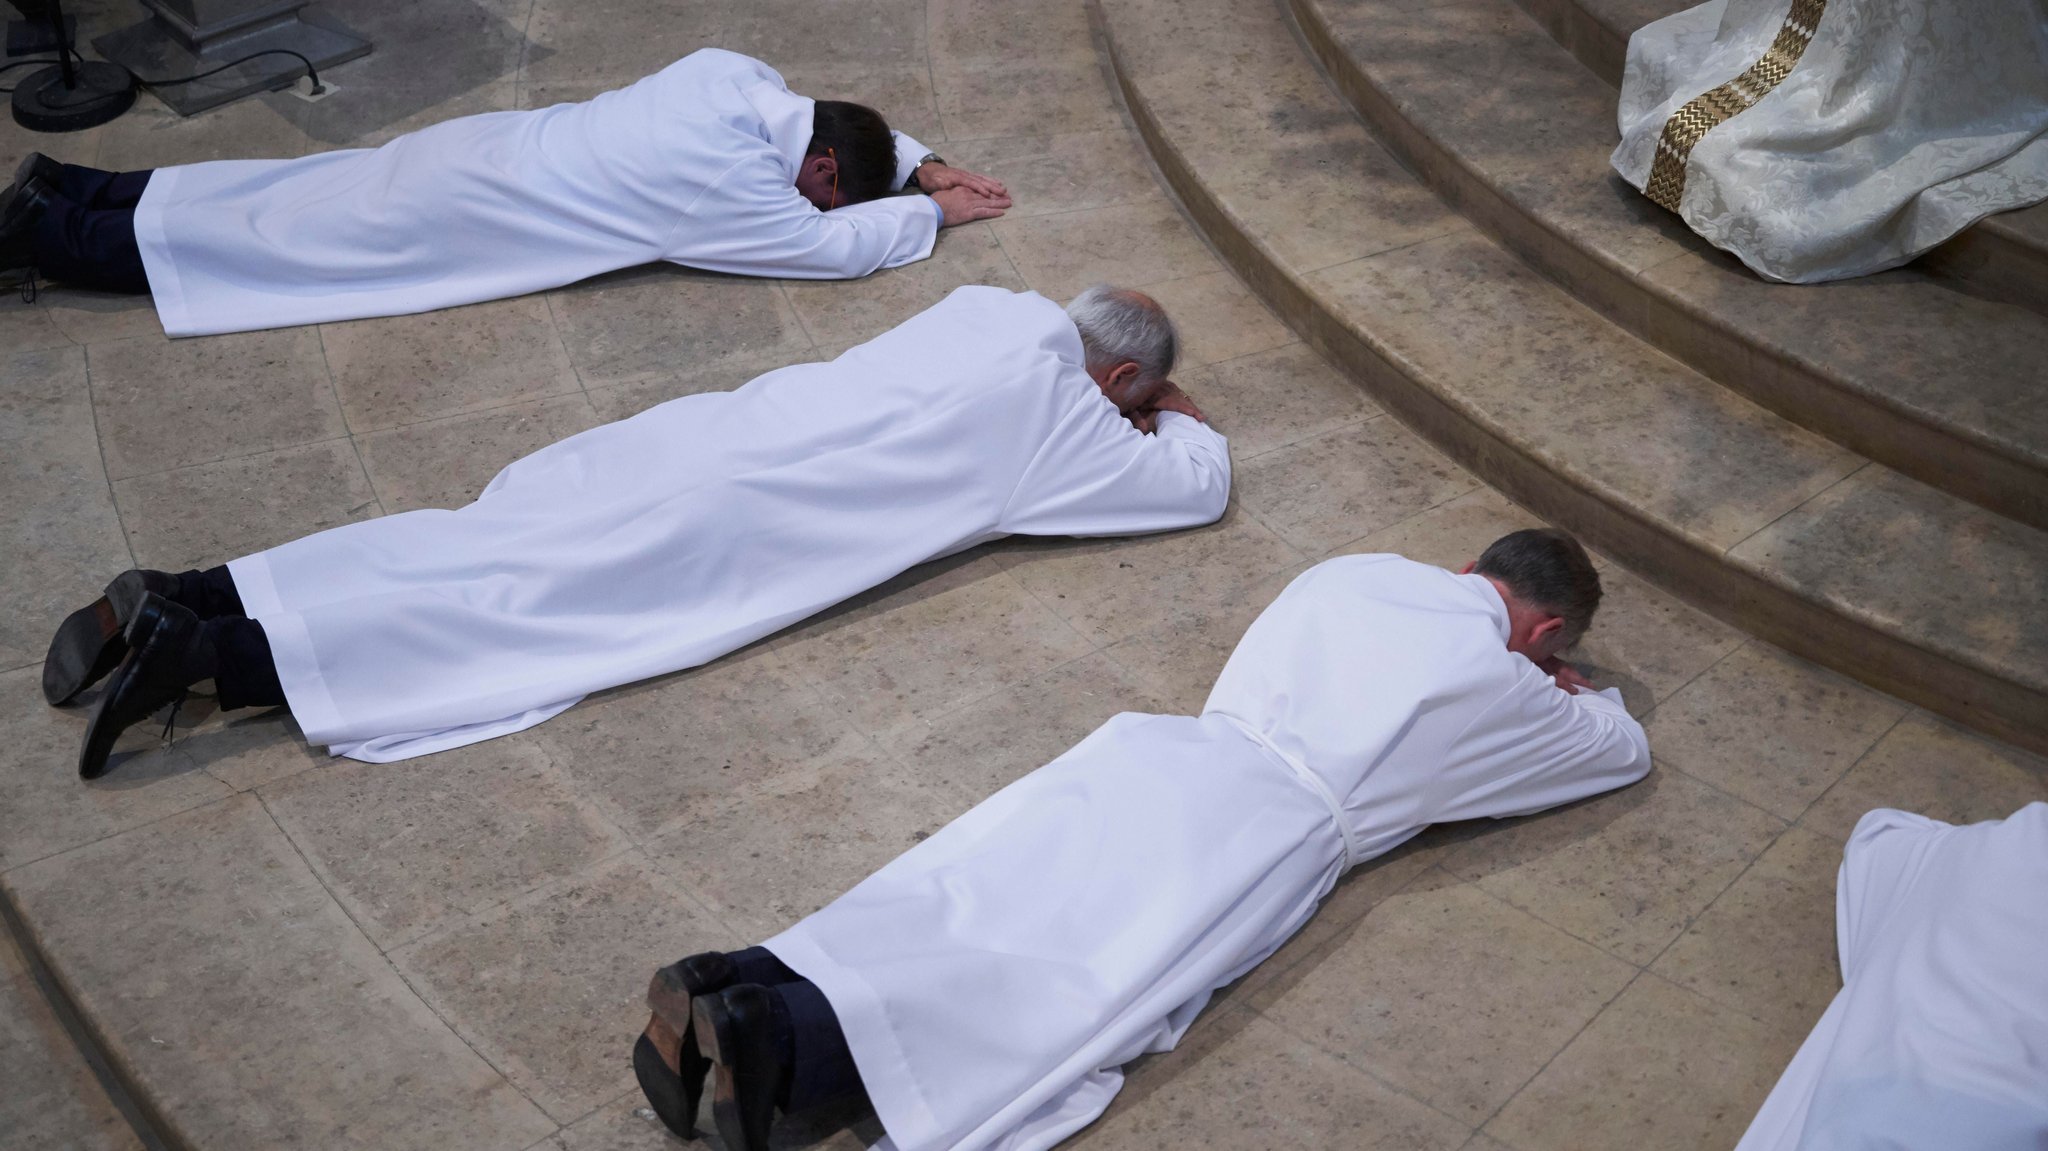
(277, 949)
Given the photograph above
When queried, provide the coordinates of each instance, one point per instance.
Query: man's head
(1550, 587)
(851, 158)
(1130, 342)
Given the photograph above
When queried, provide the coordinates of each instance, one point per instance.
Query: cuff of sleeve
(941, 214)
(908, 153)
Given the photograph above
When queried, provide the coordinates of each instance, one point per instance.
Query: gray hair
(1118, 324)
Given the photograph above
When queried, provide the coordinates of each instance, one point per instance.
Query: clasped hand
(1168, 399)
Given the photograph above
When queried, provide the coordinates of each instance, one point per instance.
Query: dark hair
(1547, 569)
(857, 137)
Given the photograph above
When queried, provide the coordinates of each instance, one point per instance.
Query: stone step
(1761, 521)
(2005, 256)
(1908, 368)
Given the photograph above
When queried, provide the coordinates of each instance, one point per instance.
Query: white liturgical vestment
(1821, 139)
(992, 980)
(695, 164)
(698, 526)
(1938, 1040)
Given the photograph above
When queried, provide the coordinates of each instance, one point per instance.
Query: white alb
(1938, 1039)
(1903, 122)
(992, 980)
(695, 164)
(698, 526)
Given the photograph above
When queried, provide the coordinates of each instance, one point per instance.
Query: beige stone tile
(404, 369)
(1255, 1085)
(617, 401)
(654, 754)
(627, 1124)
(1063, 173)
(244, 748)
(45, 808)
(1451, 534)
(552, 988)
(1063, 94)
(1661, 1067)
(1125, 244)
(64, 537)
(49, 1097)
(211, 513)
(838, 315)
(1774, 730)
(1325, 491)
(1218, 318)
(658, 320)
(1648, 643)
(1931, 767)
(926, 658)
(1113, 589)
(407, 847)
(1626, 871)
(257, 1014)
(1273, 398)
(1767, 945)
(374, 115)
(447, 463)
(1448, 995)
(966, 33)
(1179, 657)
(988, 744)
(88, 317)
(28, 327)
(165, 404)
(1907, 559)
(777, 848)
(152, 136)
(902, 93)
(1579, 395)
(612, 45)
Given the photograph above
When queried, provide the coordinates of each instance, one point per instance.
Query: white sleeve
(762, 226)
(908, 153)
(1100, 476)
(1540, 746)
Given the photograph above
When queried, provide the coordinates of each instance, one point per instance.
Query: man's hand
(1566, 676)
(1169, 398)
(937, 177)
(965, 205)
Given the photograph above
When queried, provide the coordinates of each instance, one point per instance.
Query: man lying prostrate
(1938, 1039)
(671, 538)
(711, 162)
(987, 985)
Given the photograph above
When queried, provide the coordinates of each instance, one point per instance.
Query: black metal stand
(73, 94)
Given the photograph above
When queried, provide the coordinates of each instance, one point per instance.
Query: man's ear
(1548, 635)
(822, 165)
(1468, 568)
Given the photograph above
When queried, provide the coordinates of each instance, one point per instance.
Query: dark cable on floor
(12, 64)
(310, 73)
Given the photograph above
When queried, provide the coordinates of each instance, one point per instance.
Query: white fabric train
(695, 164)
(1903, 122)
(992, 980)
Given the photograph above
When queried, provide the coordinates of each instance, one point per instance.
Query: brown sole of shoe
(669, 1000)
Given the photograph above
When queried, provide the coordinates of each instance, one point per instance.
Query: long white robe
(1938, 1039)
(1900, 124)
(695, 164)
(668, 539)
(992, 980)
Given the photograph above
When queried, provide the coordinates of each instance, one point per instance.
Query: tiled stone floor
(281, 949)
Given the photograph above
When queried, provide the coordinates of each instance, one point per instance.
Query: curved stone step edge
(1738, 593)
(125, 1089)
(2004, 256)
(1955, 460)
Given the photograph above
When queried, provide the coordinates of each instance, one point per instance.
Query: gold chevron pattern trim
(1709, 110)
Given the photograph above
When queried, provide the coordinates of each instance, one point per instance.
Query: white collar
(787, 118)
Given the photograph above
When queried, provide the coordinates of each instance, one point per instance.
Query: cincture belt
(1309, 779)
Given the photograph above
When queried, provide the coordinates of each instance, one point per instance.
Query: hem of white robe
(166, 288)
(312, 704)
(884, 1068)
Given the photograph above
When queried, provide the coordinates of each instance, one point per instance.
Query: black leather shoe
(674, 1083)
(24, 204)
(736, 1028)
(36, 166)
(89, 644)
(166, 655)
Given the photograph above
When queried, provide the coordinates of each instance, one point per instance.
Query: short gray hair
(1118, 324)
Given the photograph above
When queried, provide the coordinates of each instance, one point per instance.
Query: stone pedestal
(182, 37)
